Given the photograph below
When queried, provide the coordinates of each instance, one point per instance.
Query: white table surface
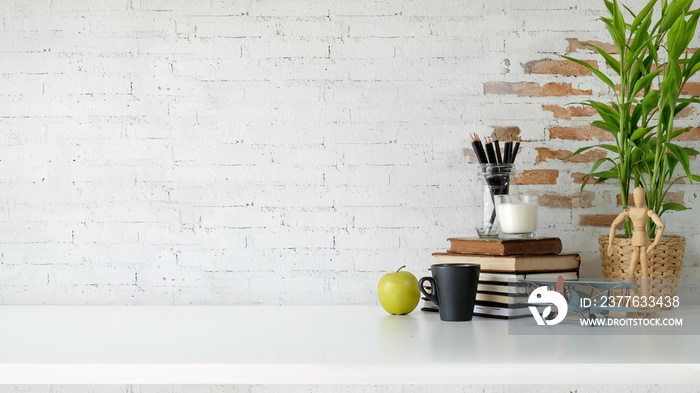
(320, 344)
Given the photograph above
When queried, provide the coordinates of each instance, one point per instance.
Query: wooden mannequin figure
(640, 241)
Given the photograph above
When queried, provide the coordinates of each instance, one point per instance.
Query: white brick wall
(262, 152)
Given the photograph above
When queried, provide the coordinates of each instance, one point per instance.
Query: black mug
(453, 289)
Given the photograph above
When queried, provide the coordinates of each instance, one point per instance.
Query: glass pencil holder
(495, 180)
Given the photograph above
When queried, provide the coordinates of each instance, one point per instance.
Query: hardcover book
(513, 263)
(538, 246)
(486, 276)
(494, 311)
(504, 299)
(503, 288)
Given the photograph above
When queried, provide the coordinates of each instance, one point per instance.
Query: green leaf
(599, 162)
(587, 178)
(612, 62)
(641, 68)
(653, 52)
(608, 114)
(690, 151)
(677, 207)
(670, 14)
(609, 174)
(645, 81)
(651, 101)
(612, 148)
(606, 126)
(690, 29)
(635, 156)
(691, 100)
(579, 151)
(619, 21)
(642, 15)
(681, 156)
(672, 164)
(676, 38)
(650, 157)
(618, 39)
(632, 56)
(642, 38)
(677, 133)
(640, 132)
(693, 70)
(669, 88)
(610, 7)
(636, 114)
(695, 59)
(597, 73)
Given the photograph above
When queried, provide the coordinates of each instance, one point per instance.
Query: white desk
(320, 344)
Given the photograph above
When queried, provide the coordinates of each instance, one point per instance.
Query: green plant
(653, 64)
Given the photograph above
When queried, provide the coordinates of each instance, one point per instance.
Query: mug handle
(433, 295)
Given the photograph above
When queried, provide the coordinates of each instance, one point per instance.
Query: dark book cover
(538, 246)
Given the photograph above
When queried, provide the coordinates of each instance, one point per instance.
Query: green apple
(398, 292)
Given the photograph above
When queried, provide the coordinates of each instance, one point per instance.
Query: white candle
(517, 217)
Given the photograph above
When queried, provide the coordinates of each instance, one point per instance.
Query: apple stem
(401, 268)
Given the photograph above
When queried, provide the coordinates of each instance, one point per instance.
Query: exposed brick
(544, 154)
(555, 200)
(469, 153)
(597, 220)
(576, 45)
(691, 89)
(583, 133)
(687, 112)
(675, 197)
(570, 111)
(692, 134)
(558, 67)
(582, 199)
(537, 176)
(505, 133)
(532, 89)
(578, 178)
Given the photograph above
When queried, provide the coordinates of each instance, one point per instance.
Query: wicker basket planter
(664, 269)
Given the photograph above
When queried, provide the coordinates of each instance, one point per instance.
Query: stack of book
(504, 263)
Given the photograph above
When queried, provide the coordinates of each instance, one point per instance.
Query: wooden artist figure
(640, 241)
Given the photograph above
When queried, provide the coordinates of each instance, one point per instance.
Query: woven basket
(664, 265)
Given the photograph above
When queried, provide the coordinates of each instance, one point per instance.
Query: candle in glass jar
(517, 217)
(517, 214)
